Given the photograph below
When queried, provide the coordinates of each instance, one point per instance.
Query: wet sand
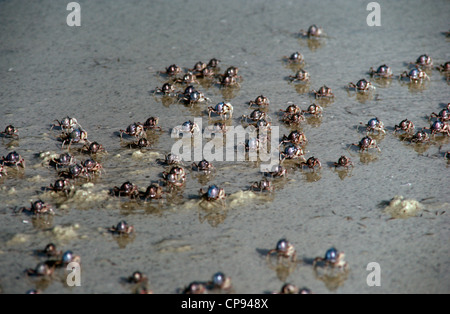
(103, 73)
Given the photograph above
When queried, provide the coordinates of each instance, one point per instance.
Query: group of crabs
(330, 268)
(72, 133)
(293, 115)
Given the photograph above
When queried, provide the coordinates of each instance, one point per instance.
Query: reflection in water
(312, 43)
(367, 158)
(344, 173)
(302, 88)
(361, 96)
(311, 175)
(124, 239)
(228, 93)
(332, 277)
(282, 266)
(212, 212)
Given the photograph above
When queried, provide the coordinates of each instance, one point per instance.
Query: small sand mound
(400, 208)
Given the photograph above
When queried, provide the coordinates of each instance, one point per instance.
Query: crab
(67, 123)
(92, 167)
(311, 163)
(296, 57)
(290, 110)
(424, 61)
(405, 125)
(126, 189)
(323, 92)
(332, 258)
(74, 136)
(383, 71)
(187, 127)
(152, 124)
(122, 228)
(195, 288)
(284, 249)
(416, 75)
(193, 98)
(443, 115)
(67, 258)
(362, 86)
(373, 125)
(41, 270)
(38, 207)
(420, 137)
(61, 185)
(343, 161)
(313, 31)
(153, 192)
(175, 177)
(366, 143)
(203, 165)
(444, 68)
(277, 171)
(172, 70)
(93, 148)
(213, 63)
(263, 185)
(75, 171)
(141, 143)
(314, 110)
(231, 71)
(222, 109)
(255, 115)
(292, 152)
(205, 73)
(137, 277)
(10, 131)
(295, 118)
(260, 101)
(252, 144)
(50, 251)
(228, 81)
(13, 159)
(171, 159)
(217, 127)
(167, 89)
(187, 78)
(213, 193)
(136, 129)
(295, 138)
(262, 124)
(198, 67)
(300, 76)
(439, 126)
(63, 160)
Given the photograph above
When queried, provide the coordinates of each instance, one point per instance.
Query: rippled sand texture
(103, 73)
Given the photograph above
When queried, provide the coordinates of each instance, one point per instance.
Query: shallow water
(103, 73)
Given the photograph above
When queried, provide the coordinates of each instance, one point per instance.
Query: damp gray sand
(103, 73)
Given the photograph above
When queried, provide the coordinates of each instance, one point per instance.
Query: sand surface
(102, 73)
